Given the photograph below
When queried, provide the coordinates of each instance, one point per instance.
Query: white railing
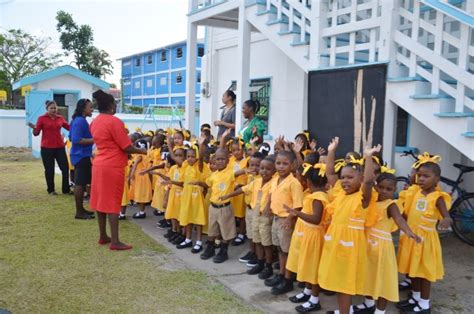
(438, 46)
(197, 5)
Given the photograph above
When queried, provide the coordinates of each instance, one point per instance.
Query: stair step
(277, 21)
(406, 79)
(431, 96)
(468, 134)
(300, 43)
(249, 3)
(455, 114)
(272, 10)
(287, 32)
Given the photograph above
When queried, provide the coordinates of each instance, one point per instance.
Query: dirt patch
(15, 154)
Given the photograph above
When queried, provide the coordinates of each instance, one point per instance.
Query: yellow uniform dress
(335, 190)
(155, 157)
(174, 199)
(238, 202)
(312, 241)
(159, 191)
(68, 155)
(142, 184)
(192, 200)
(296, 237)
(422, 260)
(381, 276)
(125, 198)
(343, 261)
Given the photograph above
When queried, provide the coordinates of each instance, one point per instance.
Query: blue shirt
(79, 130)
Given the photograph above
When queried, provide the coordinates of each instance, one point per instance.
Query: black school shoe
(296, 299)
(275, 280)
(366, 309)
(256, 269)
(174, 236)
(137, 215)
(184, 245)
(406, 304)
(417, 310)
(247, 257)
(306, 309)
(168, 234)
(239, 240)
(221, 255)
(266, 273)
(179, 239)
(122, 217)
(276, 265)
(210, 250)
(283, 287)
(196, 248)
(163, 224)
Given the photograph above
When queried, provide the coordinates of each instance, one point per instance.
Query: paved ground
(455, 294)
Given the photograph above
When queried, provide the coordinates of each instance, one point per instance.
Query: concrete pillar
(191, 56)
(243, 59)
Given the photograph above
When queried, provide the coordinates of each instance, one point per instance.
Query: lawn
(50, 262)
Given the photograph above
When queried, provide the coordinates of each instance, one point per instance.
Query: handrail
(452, 11)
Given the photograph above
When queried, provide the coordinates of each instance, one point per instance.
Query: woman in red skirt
(108, 168)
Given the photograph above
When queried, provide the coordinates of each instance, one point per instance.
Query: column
(243, 59)
(191, 56)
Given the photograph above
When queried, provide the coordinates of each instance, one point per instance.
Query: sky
(121, 27)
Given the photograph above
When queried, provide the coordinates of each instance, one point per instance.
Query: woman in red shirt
(108, 168)
(52, 145)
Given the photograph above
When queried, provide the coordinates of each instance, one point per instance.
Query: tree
(78, 41)
(22, 54)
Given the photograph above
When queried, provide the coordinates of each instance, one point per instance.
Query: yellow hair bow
(385, 169)
(177, 147)
(206, 128)
(196, 150)
(322, 168)
(169, 131)
(138, 130)
(338, 164)
(356, 161)
(376, 159)
(239, 141)
(186, 134)
(148, 133)
(425, 158)
(306, 133)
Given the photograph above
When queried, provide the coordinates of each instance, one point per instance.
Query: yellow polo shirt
(288, 192)
(221, 183)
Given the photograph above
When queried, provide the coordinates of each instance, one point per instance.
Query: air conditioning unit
(205, 92)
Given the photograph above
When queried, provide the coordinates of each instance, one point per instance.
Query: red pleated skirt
(107, 189)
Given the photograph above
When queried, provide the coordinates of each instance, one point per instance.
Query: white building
(426, 48)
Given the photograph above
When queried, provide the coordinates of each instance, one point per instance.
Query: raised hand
(298, 146)
(313, 144)
(333, 145)
(371, 151)
(321, 151)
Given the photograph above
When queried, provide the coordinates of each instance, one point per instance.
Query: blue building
(158, 76)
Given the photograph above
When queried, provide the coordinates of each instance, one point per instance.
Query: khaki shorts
(281, 237)
(261, 228)
(221, 222)
(248, 222)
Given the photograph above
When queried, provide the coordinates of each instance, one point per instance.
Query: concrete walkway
(232, 274)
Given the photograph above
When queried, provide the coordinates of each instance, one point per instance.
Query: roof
(199, 41)
(65, 69)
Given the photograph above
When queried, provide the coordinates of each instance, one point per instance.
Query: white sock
(141, 213)
(307, 304)
(241, 236)
(424, 304)
(416, 295)
(314, 300)
(307, 291)
(300, 295)
(198, 242)
(377, 311)
(187, 241)
(121, 215)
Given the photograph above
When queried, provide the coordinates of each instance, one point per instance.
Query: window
(200, 51)
(137, 62)
(149, 83)
(137, 84)
(163, 55)
(198, 77)
(260, 90)
(401, 138)
(163, 80)
(149, 59)
(179, 78)
(179, 53)
(126, 82)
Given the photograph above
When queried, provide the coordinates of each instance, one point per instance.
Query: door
(35, 107)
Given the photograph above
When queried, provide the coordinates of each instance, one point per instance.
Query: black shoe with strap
(406, 304)
(274, 281)
(365, 309)
(184, 244)
(308, 307)
(196, 248)
(300, 298)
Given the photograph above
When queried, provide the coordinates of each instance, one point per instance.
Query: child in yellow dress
(424, 207)
(142, 193)
(175, 180)
(381, 282)
(238, 162)
(343, 261)
(157, 143)
(312, 236)
(191, 211)
(126, 185)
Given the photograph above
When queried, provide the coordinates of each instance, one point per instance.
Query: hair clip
(425, 158)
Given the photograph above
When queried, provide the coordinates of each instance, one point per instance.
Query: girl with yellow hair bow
(312, 219)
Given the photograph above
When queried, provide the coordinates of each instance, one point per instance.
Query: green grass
(50, 262)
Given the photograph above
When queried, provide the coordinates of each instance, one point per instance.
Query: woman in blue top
(81, 153)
